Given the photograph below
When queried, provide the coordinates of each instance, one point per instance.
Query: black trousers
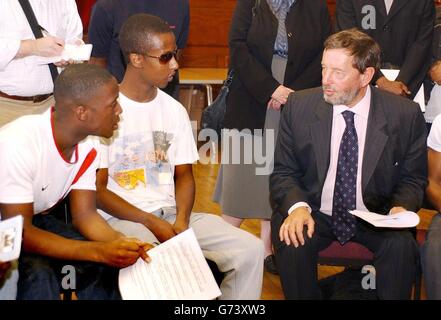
(41, 277)
(395, 258)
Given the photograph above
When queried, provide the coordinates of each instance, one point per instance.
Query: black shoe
(270, 264)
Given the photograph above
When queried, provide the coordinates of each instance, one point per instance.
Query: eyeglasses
(166, 57)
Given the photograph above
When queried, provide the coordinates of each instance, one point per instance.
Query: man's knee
(399, 244)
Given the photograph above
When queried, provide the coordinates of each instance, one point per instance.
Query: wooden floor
(205, 176)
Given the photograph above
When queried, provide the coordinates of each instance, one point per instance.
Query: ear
(136, 60)
(82, 113)
(367, 76)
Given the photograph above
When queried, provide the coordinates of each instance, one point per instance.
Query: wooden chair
(355, 255)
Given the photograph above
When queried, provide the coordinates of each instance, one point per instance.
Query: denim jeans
(41, 277)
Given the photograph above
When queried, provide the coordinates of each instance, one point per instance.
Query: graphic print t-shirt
(152, 138)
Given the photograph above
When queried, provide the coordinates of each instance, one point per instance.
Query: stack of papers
(405, 219)
(70, 52)
(10, 238)
(178, 271)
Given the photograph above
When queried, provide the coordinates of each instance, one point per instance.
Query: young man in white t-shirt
(43, 158)
(146, 181)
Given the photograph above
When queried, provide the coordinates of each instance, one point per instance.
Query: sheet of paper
(392, 74)
(10, 238)
(70, 52)
(178, 270)
(405, 219)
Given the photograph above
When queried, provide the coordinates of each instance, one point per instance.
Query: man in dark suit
(341, 147)
(402, 28)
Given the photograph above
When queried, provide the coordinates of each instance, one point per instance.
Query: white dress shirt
(24, 77)
(361, 110)
(388, 4)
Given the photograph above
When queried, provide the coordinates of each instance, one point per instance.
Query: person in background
(26, 84)
(433, 79)
(275, 48)
(403, 29)
(46, 158)
(431, 249)
(109, 15)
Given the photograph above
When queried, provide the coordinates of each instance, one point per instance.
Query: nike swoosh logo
(44, 188)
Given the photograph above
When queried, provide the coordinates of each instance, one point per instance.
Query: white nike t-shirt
(32, 170)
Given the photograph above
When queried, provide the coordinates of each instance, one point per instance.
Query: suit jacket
(394, 169)
(252, 37)
(404, 35)
(436, 53)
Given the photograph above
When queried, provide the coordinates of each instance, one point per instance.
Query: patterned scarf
(280, 9)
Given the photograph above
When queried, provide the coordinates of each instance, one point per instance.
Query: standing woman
(275, 48)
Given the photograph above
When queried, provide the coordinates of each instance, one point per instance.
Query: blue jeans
(41, 276)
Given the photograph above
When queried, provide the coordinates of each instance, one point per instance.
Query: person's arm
(87, 220)
(185, 193)
(116, 206)
(285, 185)
(433, 190)
(72, 24)
(120, 252)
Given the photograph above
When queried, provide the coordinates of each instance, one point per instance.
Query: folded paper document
(178, 271)
(405, 219)
(10, 238)
(71, 52)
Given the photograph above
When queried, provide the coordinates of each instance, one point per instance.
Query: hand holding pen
(49, 45)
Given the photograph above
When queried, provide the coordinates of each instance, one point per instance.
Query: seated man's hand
(274, 104)
(123, 252)
(281, 94)
(397, 210)
(291, 230)
(4, 267)
(395, 87)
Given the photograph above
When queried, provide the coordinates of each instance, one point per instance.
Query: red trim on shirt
(56, 146)
(90, 158)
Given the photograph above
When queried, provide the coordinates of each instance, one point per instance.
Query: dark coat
(251, 42)
(404, 35)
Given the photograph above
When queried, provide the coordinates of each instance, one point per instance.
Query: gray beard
(345, 99)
